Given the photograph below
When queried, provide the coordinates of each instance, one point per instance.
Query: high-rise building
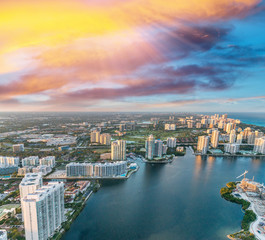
(171, 142)
(182, 121)
(224, 116)
(95, 136)
(240, 137)
(122, 127)
(48, 161)
(204, 121)
(158, 148)
(18, 148)
(9, 161)
(118, 150)
(213, 122)
(221, 124)
(30, 183)
(105, 139)
(229, 127)
(246, 132)
(251, 138)
(232, 148)
(164, 149)
(30, 161)
(215, 138)
(203, 144)
(258, 134)
(96, 169)
(259, 146)
(170, 126)
(232, 136)
(43, 211)
(150, 147)
(198, 125)
(190, 124)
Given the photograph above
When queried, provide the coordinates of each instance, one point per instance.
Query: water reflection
(173, 201)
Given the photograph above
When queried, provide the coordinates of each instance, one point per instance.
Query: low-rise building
(180, 149)
(9, 161)
(48, 161)
(24, 170)
(18, 148)
(30, 161)
(170, 126)
(44, 169)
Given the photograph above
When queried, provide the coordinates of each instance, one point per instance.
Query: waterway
(174, 201)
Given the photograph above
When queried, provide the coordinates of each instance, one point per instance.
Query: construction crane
(243, 174)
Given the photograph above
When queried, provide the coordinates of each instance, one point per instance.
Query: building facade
(105, 139)
(9, 161)
(43, 211)
(215, 138)
(48, 161)
(118, 150)
(96, 169)
(158, 148)
(232, 148)
(29, 184)
(150, 147)
(203, 144)
(171, 142)
(259, 145)
(18, 148)
(30, 161)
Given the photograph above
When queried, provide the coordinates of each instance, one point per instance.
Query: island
(251, 196)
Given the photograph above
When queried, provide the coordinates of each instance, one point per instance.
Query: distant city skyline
(132, 55)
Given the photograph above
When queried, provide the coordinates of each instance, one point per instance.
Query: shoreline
(62, 230)
(161, 162)
(128, 174)
(230, 155)
(250, 215)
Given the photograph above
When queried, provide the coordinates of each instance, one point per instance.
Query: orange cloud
(76, 42)
(31, 23)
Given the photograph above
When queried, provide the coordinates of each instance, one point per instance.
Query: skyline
(132, 55)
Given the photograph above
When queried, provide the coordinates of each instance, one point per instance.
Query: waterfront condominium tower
(251, 138)
(30, 183)
(203, 144)
(43, 211)
(171, 142)
(215, 138)
(118, 150)
(239, 138)
(158, 148)
(259, 146)
(232, 136)
(150, 147)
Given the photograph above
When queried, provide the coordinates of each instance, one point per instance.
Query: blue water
(176, 201)
(250, 118)
(5, 176)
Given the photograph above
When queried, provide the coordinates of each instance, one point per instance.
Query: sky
(132, 55)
